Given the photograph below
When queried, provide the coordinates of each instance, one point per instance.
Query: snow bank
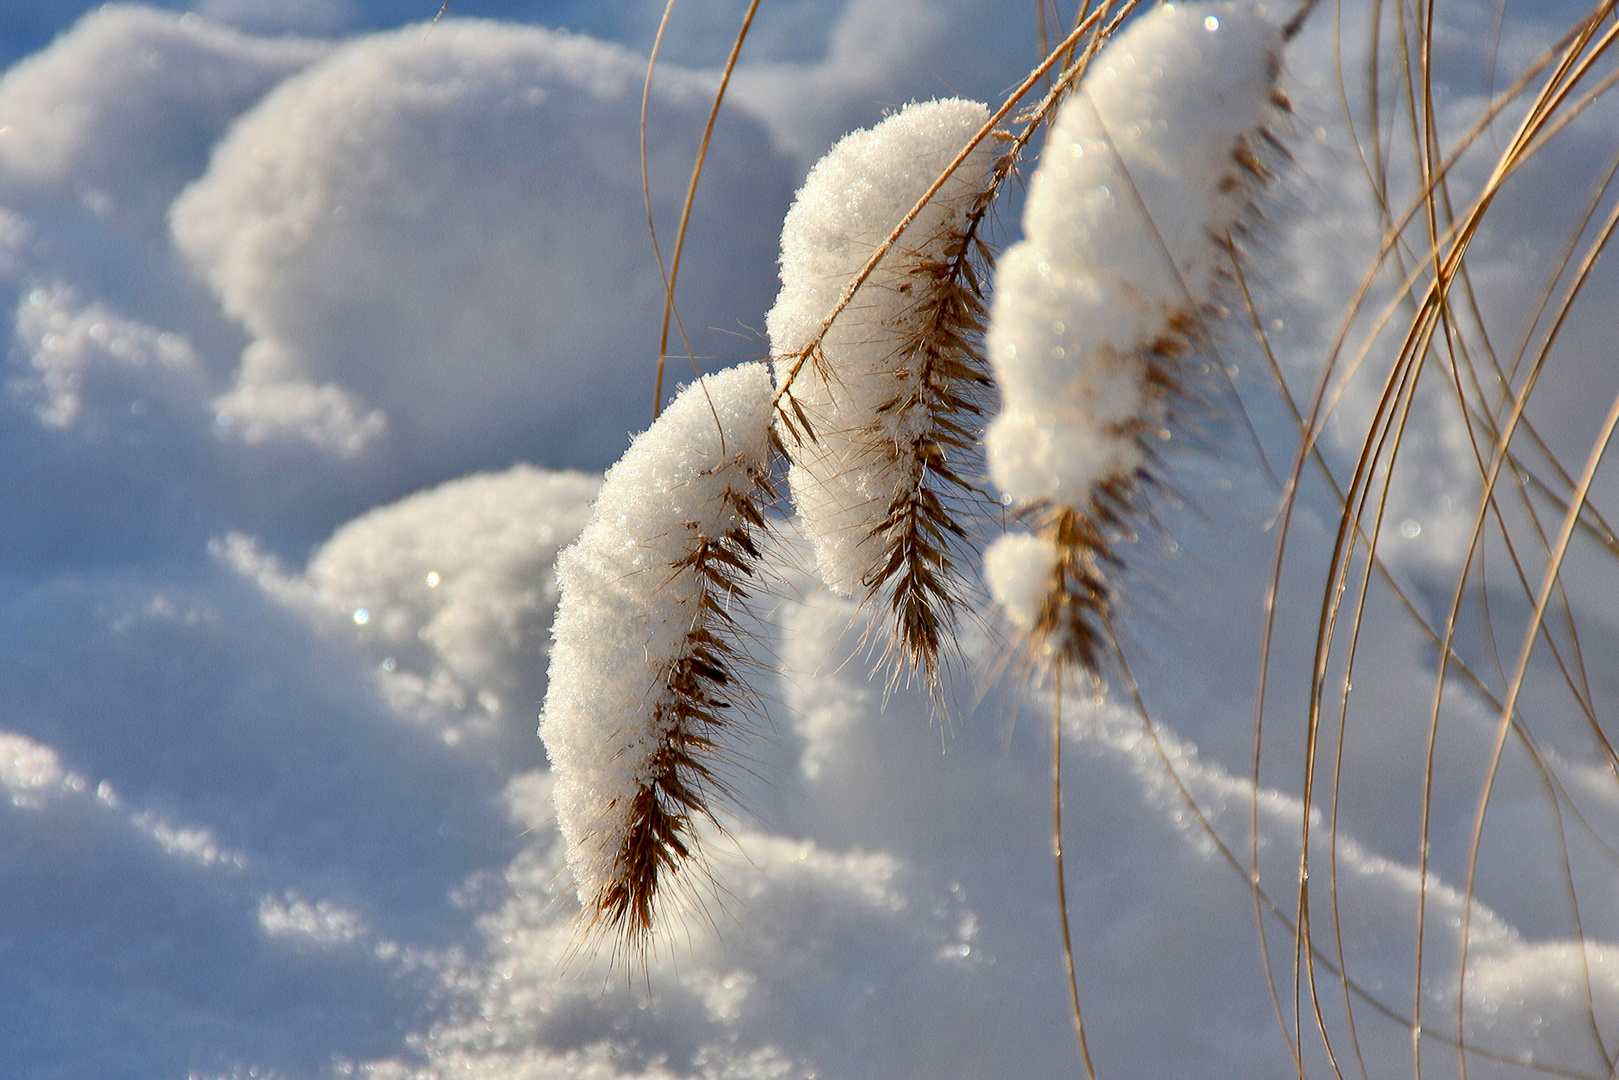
(452, 591)
(83, 351)
(418, 232)
(121, 111)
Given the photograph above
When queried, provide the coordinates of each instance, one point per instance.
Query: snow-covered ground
(320, 331)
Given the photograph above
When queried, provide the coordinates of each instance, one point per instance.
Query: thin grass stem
(1062, 884)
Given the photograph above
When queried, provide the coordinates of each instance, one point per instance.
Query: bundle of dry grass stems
(1416, 312)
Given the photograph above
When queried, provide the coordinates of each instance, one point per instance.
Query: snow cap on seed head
(1149, 164)
(627, 721)
(1149, 169)
(851, 201)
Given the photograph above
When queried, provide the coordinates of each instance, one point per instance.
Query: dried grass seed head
(643, 687)
(882, 426)
(1150, 165)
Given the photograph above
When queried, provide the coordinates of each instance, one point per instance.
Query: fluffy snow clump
(1149, 166)
(867, 392)
(639, 675)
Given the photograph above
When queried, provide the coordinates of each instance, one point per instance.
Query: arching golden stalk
(1447, 332)
(671, 275)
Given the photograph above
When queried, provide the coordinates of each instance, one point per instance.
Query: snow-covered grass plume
(879, 420)
(642, 677)
(1151, 165)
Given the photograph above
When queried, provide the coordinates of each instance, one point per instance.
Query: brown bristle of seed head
(1276, 145)
(697, 707)
(914, 570)
(1071, 623)
(1244, 155)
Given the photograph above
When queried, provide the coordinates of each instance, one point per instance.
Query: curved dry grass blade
(1272, 908)
(1508, 707)
(1062, 883)
(1340, 558)
(691, 196)
(646, 194)
(1262, 903)
(1390, 415)
(1498, 458)
(1251, 874)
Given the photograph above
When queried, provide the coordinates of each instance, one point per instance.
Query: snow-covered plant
(877, 341)
(880, 424)
(1162, 135)
(644, 689)
(1149, 168)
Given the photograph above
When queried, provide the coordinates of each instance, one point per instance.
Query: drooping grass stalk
(645, 690)
(1062, 879)
(1150, 165)
(883, 426)
(671, 275)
